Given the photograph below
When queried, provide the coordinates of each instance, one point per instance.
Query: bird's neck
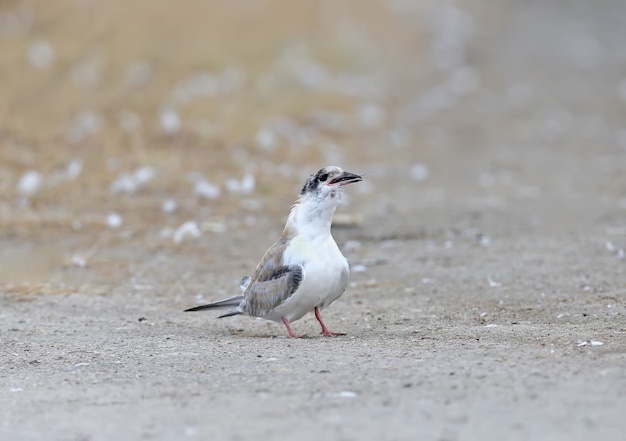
(310, 218)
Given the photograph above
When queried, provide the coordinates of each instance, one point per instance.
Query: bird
(303, 271)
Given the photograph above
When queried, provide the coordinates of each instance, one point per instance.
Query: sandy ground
(488, 293)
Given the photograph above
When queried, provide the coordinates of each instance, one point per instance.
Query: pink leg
(291, 334)
(325, 330)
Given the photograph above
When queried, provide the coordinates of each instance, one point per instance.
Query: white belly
(325, 276)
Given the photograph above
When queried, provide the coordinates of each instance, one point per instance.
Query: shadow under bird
(304, 271)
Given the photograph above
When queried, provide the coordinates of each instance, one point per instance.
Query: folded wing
(269, 291)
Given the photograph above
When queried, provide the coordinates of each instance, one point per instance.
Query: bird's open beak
(346, 178)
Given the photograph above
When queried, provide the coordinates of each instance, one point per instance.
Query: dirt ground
(150, 151)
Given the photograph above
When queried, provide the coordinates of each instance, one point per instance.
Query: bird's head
(313, 212)
(327, 184)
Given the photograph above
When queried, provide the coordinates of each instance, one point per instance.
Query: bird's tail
(231, 302)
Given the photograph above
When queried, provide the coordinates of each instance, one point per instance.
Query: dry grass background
(224, 70)
(115, 70)
(469, 90)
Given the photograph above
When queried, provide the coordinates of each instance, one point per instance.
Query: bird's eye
(322, 178)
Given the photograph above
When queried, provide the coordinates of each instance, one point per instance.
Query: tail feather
(226, 303)
(231, 313)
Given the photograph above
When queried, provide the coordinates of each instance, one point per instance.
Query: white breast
(325, 274)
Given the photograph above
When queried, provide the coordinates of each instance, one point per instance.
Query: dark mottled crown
(321, 176)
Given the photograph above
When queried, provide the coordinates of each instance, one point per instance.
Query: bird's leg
(291, 334)
(325, 330)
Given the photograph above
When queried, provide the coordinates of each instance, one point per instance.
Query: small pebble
(170, 121)
(169, 206)
(266, 139)
(131, 183)
(493, 284)
(114, 220)
(188, 229)
(74, 169)
(347, 394)
(419, 172)
(29, 183)
(244, 186)
(143, 175)
(40, 54)
(205, 189)
(79, 261)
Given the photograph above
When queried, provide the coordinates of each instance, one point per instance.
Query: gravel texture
(149, 155)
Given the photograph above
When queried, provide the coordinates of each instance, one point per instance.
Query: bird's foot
(291, 334)
(327, 333)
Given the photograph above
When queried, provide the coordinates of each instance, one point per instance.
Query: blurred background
(130, 130)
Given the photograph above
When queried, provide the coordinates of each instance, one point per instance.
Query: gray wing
(245, 282)
(268, 292)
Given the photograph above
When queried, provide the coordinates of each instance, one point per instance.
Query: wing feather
(272, 282)
(263, 296)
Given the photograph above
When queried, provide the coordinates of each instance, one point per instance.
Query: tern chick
(304, 271)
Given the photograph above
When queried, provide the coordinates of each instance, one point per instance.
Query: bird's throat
(311, 219)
